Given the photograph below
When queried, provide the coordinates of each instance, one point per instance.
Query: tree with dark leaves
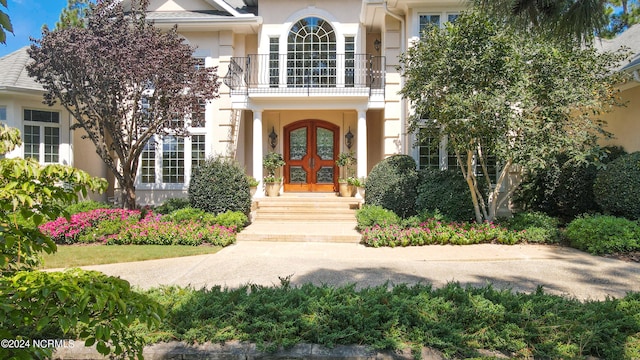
(124, 81)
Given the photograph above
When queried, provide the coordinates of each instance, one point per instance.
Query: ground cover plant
(604, 234)
(453, 319)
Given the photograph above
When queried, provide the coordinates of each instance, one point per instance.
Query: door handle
(312, 162)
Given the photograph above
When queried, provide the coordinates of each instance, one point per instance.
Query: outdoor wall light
(273, 138)
(348, 139)
(376, 45)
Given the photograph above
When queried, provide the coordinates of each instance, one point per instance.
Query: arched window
(311, 54)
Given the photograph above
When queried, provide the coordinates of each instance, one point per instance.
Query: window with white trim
(426, 21)
(349, 60)
(432, 154)
(311, 53)
(198, 147)
(274, 61)
(41, 135)
(148, 163)
(172, 160)
(3, 114)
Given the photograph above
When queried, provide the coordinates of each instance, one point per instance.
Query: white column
(257, 151)
(362, 143)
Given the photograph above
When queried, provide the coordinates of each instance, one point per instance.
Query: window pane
(312, 45)
(197, 151)
(429, 152)
(51, 144)
(427, 21)
(148, 166)
(274, 61)
(173, 160)
(42, 116)
(3, 113)
(31, 140)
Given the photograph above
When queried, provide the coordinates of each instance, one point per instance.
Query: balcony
(361, 75)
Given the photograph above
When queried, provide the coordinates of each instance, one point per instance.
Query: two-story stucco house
(306, 78)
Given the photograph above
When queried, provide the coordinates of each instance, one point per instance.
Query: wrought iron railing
(306, 73)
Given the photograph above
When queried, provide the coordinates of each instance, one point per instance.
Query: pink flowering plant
(119, 226)
(170, 233)
(79, 226)
(433, 231)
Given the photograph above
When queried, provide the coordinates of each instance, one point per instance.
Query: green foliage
(617, 187)
(444, 191)
(71, 305)
(564, 187)
(252, 181)
(5, 24)
(171, 205)
(538, 227)
(603, 234)
(31, 191)
(169, 233)
(220, 185)
(189, 214)
(392, 185)
(512, 96)
(431, 231)
(84, 206)
(456, 320)
(232, 219)
(272, 162)
(370, 215)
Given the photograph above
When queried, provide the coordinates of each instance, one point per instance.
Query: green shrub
(564, 188)
(85, 206)
(74, 304)
(371, 215)
(220, 185)
(171, 205)
(234, 219)
(445, 191)
(617, 187)
(603, 234)
(392, 185)
(189, 214)
(537, 226)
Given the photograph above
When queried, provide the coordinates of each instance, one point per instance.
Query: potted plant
(272, 162)
(253, 184)
(346, 160)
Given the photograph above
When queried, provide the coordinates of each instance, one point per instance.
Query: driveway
(560, 270)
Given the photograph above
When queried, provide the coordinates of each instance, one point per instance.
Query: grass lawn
(80, 255)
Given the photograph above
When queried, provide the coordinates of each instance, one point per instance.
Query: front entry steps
(304, 217)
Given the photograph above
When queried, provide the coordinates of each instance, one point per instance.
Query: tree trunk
(128, 190)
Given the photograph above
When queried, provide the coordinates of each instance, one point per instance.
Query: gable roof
(13, 72)
(629, 39)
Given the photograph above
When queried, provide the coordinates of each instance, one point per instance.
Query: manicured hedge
(445, 191)
(392, 185)
(617, 187)
(602, 234)
(220, 185)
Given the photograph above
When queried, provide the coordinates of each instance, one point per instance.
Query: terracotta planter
(361, 191)
(272, 189)
(253, 190)
(352, 190)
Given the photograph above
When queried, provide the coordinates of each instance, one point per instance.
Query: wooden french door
(311, 149)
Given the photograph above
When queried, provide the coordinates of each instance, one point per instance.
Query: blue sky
(27, 18)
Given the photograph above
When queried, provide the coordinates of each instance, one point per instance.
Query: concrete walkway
(560, 270)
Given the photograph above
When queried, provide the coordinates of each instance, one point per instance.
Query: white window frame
(41, 125)
(158, 162)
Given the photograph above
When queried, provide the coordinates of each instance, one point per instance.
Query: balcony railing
(308, 74)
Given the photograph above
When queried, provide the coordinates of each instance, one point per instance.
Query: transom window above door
(311, 53)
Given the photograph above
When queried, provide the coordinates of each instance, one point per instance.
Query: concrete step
(303, 217)
(317, 231)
